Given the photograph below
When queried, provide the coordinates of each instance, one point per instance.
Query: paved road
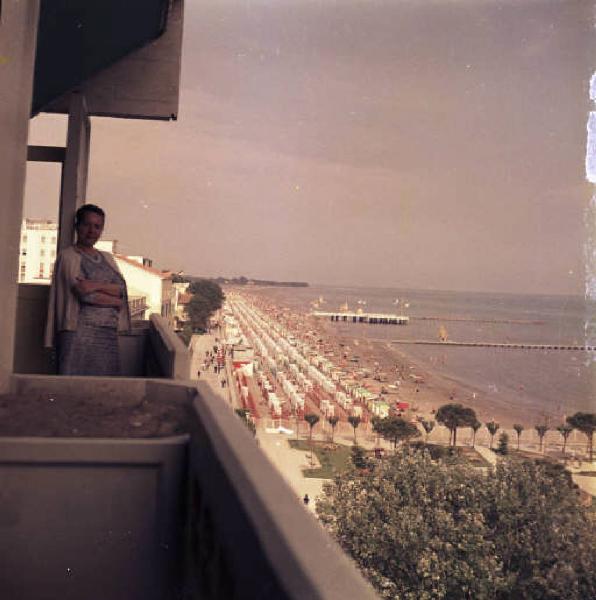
(200, 344)
(289, 463)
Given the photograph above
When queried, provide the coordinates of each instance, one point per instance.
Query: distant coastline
(182, 278)
(259, 282)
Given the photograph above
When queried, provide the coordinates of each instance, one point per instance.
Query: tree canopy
(207, 297)
(586, 423)
(454, 416)
(395, 429)
(415, 529)
(541, 431)
(492, 427)
(420, 528)
(333, 420)
(565, 430)
(354, 421)
(518, 429)
(428, 426)
(311, 419)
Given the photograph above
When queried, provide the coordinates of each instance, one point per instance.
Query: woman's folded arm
(84, 287)
(101, 299)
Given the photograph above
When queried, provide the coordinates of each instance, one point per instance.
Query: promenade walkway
(200, 344)
(287, 461)
(486, 453)
(290, 463)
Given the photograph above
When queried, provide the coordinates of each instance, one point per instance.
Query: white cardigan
(63, 305)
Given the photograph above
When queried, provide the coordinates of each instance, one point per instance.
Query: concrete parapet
(207, 516)
(168, 349)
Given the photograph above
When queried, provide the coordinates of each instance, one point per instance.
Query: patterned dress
(93, 348)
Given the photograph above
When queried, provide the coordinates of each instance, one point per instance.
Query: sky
(392, 143)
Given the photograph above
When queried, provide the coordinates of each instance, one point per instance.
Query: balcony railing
(204, 516)
(137, 306)
(151, 349)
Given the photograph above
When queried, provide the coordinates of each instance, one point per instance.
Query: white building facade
(38, 251)
(181, 299)
(143, 280)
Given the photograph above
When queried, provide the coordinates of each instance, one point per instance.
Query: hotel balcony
(193, 516)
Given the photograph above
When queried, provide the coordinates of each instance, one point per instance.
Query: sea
(548, 383)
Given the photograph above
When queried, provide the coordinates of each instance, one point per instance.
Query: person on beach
(88, 304)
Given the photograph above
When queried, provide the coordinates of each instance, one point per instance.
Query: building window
(42, 252)
(25, 239)
(41, 272)
(53, 254)
(23, 272)
(43, 239)
(53, 239)
(23, 252)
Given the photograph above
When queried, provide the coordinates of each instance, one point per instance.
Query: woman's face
(89, 229)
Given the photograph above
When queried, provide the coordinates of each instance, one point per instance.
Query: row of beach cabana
(298, 368)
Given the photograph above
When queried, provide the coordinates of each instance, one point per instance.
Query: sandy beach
(378, 366)
(387, 369)
(425, 390)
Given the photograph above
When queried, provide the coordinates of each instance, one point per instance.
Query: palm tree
(565, 430)
(333, 421)
(454, 416)
(586, 423)
(541, 431)
(428, 426)
(518, 429)
(354, 421)
(312, 420)
(476, 425)
(492, 427)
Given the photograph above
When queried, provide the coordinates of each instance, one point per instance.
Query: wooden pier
(500, 345)
(371, 318)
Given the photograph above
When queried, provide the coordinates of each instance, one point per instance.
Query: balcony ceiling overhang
(123, 56)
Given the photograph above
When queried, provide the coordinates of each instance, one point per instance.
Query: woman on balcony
(88, 303)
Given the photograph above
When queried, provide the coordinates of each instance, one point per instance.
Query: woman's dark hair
(88, 208)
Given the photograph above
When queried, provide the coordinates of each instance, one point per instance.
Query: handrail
(249, 535)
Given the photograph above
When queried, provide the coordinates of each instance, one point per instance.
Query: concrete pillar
(18, 38)
(74, 169)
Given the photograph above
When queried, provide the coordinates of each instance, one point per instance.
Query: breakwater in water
(473, 320)
(516, 346)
